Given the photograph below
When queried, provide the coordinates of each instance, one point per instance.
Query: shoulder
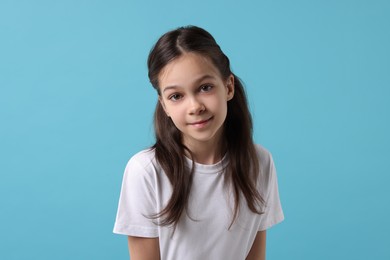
(267, 168)
(265, 157)
(143, 158)
(142, 164)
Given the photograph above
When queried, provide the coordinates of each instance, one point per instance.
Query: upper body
(218, 204)
(203, 232)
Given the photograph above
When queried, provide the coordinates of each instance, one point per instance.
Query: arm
(142, 248)
(257, 251)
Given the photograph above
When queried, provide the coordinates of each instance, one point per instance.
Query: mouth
(201, 123)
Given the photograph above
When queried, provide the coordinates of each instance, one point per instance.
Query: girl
(204, 190)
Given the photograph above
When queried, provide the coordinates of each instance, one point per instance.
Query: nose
(196, 107)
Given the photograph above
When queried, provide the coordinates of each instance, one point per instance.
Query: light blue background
(75, 104)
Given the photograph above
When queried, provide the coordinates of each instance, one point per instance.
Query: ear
(230, 87)
(163, 105)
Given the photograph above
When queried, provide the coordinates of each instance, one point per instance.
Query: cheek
(176, 113)
(222, 112)
(220, 105)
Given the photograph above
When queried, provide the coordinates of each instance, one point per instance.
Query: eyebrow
(197, 80)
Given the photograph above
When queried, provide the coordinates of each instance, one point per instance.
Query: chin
(201, 138)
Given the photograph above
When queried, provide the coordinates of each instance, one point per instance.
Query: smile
(202, 123)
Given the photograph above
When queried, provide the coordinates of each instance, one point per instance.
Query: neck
(206, 152)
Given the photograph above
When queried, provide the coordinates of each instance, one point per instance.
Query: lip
(201, 123)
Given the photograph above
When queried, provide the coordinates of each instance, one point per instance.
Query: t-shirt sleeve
(137, 203)
(273, 213)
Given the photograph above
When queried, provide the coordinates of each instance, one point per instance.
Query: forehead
(185, 69)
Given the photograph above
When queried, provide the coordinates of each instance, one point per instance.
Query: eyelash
(172, 97)
(209, 87)
(204, 88)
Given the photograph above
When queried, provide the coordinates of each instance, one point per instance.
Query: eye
(206, 88)
(175, 97)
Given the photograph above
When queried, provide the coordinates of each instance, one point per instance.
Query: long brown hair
(242, 169)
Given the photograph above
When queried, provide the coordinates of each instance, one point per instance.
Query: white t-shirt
(204, 232)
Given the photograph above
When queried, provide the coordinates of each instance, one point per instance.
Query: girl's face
(194, 96)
